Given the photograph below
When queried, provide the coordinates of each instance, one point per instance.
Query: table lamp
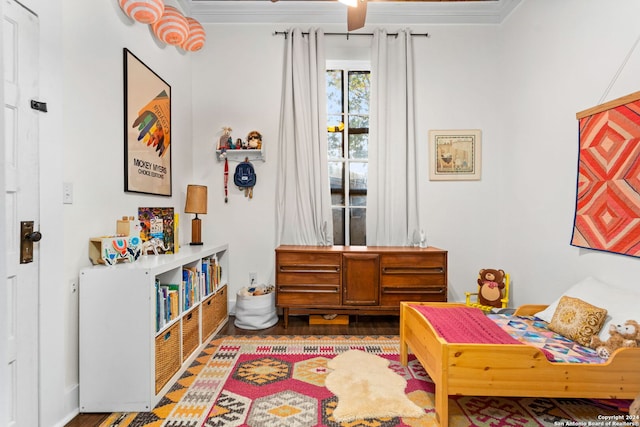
(196, 204)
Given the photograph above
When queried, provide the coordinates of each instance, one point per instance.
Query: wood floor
(298, 325)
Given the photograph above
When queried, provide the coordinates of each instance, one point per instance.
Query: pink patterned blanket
(465, 325)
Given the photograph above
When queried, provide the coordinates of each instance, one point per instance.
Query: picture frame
(147, 129)
(455, 155)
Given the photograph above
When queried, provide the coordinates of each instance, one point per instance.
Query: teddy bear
(491, 284)
(626, 335)
(634, 409)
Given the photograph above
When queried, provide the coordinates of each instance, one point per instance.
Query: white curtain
(392, 198)
(303, 199)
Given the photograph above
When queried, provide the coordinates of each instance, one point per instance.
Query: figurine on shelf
(254, 140)
(225, 140)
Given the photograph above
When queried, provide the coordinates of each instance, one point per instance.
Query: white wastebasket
(256, 311)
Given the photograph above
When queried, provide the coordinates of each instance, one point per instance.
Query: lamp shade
(196, 199)
(196, 37)
(144, 11)
(172, 28)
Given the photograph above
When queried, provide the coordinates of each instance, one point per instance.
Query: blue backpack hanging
(245, 177)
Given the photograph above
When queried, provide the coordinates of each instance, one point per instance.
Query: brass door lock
(28, 237)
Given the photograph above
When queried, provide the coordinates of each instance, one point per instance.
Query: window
(348, 91)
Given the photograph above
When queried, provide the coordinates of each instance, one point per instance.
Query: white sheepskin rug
(367, 388)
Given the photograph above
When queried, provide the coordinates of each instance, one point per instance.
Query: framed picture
(454, 155)
(147, 129)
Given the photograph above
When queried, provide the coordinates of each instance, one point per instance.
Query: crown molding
(330, 12)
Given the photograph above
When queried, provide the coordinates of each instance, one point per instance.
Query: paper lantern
(172, 28)
(196, 38)
(144, 11)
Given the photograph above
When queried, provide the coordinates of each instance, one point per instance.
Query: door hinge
(40, 106)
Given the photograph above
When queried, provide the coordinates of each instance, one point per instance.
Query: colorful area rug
(279, 381)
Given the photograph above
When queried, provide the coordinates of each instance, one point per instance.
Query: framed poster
(147, 129)
(454, 155)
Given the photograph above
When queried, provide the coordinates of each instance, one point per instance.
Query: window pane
(358, 178)
(358, 200)
(358, 121)
(336, 177)
(334, 141)
(337, 199)
(358, 226)
(334, 123)
(359, 146)
(334, 92)
(359, 92)
(338, 226)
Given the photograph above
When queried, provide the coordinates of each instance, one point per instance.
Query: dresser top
(342, 249)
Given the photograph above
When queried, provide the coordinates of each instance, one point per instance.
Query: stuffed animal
(491, 284)
(626, 335)
(254, 140)
(634, 409)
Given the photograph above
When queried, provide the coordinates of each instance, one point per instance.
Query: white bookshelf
(122, 352)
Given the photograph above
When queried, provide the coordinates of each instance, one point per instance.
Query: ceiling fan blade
(356, 15)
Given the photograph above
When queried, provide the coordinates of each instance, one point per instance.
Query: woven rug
(279, 381)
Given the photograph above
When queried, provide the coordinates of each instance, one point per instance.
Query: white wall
(82, 143)
(521, 83)
(557, 58)
(455, 80)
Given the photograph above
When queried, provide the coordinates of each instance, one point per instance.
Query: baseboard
(71, 404)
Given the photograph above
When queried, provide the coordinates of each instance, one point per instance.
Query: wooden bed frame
(509, 370)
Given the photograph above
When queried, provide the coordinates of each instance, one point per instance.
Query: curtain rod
(285, 34)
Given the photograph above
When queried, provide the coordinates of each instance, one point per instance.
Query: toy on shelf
(493, 290)
(224, 143)
(254, 140)
(235, 149)
(125, 245)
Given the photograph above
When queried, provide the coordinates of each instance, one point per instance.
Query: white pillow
(621, 304)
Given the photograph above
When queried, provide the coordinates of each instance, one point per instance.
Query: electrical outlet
(253, 278)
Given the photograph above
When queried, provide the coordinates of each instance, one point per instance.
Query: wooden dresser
(357, 279)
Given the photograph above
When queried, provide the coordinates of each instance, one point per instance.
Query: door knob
(33, 237)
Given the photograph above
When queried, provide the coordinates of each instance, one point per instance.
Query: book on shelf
(190, 287)
(212, 270)
(167, 303)
(158, 223)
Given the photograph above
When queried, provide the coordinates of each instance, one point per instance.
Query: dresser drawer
(308, 268)
(308, 278)
(413, 270)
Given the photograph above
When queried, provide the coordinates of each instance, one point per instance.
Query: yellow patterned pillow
(577, 320)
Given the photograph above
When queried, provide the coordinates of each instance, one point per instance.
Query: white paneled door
(21, 139)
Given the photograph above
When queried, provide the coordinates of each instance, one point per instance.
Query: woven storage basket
(220, 313)
(167, 355)
(208, 317)
(214, 311)
(190, 332)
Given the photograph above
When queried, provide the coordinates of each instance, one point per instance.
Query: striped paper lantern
(144, 11)
(196, 38)
(172, 28)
